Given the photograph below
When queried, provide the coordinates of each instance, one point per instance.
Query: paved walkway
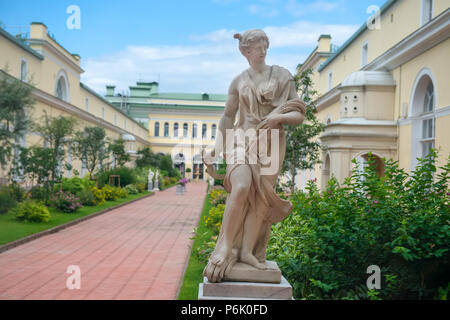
(138, 251)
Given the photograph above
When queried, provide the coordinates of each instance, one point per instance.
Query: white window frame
(66, 91)
(330, 80)
(23, 70)
(426, 11)
(364, 53)
(86, 104)
(103, 113)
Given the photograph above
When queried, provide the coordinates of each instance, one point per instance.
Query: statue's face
(257, 51)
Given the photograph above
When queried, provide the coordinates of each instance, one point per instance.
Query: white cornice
(53, 50)
(426, 37)
(328, 98)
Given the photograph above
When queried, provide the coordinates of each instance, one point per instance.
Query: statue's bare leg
(252, 228)
(233, 218)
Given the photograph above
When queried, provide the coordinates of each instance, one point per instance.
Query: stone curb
(16, 243)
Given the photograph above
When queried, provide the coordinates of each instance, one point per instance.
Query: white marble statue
(261, 98)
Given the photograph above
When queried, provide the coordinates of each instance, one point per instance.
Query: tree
(147, 158)
(57, 133)
(302, 145)
(36, 163)
(120, 156)
(91, 146)
(15, 103)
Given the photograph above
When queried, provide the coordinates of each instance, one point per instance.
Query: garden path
(138, 251)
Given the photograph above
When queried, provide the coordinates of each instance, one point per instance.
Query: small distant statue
(156, 181)
(150, 180)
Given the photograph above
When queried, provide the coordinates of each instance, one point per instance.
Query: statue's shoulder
(282, 72)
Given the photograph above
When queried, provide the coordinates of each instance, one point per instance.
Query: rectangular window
(103, 113)
(330, 80)
(364, 54)
(427, 136)
(86, 104)
(427, 11)
(115, 119)
(23, 70)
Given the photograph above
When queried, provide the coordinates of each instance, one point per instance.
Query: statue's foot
(250, 259)
(217, 265)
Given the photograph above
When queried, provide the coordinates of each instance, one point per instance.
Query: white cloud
(208, 64)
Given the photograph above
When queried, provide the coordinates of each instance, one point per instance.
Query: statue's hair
(249, 37)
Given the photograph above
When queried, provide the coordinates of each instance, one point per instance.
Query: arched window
(62, 87)
(428, 121)
(204, 130)
(185, 130)
(166, 129)
(175, 129)
(194, 130)
(23, 70)
(156, 129)
(423, 106)
(213, 131)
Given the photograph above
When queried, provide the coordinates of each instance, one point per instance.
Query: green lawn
(12, 229)
(193, 275)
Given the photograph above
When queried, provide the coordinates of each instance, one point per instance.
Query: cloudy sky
(187, 46)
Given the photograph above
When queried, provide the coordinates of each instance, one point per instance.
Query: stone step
(245, 290)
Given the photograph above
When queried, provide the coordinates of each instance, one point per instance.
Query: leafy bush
(99, 196)
(16, 192)
(214, 218)
(141, 187)
(127, 176)
(65, 202)
(111, 193)
(131, 188)
(31, 211)
(7, 200)
(218, 196)
(399, 222)
(72, 185)
(86, 197)
(123, 193)
(39, 193)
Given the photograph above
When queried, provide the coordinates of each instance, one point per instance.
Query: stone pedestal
(244, 282)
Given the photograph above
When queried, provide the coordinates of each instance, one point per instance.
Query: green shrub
(131, 188)
(72, 185)
(141, 187)
(86, 197)
(127, 176)
(99, 196)
(111, 193)
(218, 196)
(399, 222)
(122, 192)
(31, 211)
(65, 202)
(7, 200)
(40, 193)
(214, 218)
(16, 192)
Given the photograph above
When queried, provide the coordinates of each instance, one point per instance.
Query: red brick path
(138, 251)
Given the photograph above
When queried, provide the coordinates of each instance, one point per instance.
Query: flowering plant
(65, 202)
(183, 181)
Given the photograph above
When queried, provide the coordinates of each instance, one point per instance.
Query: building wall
(43, 70)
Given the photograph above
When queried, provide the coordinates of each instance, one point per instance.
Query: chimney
(110, 91)
(324, 43)
(38, 30)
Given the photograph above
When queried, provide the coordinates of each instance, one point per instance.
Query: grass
(12, 229)
(193, 275)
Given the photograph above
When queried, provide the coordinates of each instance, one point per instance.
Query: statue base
(244, 282)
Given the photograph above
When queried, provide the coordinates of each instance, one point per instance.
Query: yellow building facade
(55, 76)
(179, 124)
(385, 91)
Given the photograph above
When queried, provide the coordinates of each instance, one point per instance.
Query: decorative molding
(329, 98)
(45, 44)
(426, 37)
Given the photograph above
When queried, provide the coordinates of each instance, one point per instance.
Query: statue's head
(252, 42)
